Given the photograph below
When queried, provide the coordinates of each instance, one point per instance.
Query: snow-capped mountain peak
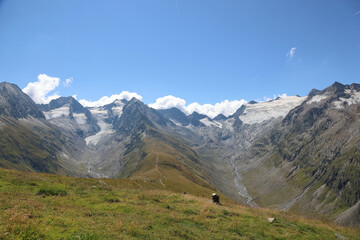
(259, 112)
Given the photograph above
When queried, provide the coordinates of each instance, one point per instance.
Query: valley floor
(45, 206)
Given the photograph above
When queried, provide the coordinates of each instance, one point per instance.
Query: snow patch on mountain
(58, 112)
(259, 112)
(105, 128)
(176, 123)
(209, 123)
(228, 124)
(80, 118)
(98, 112)
(119, 105)
(353, 99)
(317, 98)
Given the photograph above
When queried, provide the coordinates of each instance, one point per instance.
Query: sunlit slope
(161, 158)
(45, 206)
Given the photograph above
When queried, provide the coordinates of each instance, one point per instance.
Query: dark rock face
(220, 117)
(238, 112)
(14, 103)
(313, 92)
(195, 118)
(136, 115)
(175, 115)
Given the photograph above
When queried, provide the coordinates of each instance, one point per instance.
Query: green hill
(45, 206)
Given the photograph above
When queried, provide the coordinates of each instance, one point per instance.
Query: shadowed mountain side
(14, 103)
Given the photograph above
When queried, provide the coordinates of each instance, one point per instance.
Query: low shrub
(52, 191)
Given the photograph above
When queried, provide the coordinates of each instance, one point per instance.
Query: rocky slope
(221, 139)
(69, 114)
(28, 142)
(133, 142)
(14, 103)
(309, 162)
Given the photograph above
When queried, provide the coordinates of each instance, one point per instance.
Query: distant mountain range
(298, 154)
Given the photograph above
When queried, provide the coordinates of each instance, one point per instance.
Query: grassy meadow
(45, 206)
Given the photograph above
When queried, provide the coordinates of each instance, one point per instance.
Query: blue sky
(201, 51)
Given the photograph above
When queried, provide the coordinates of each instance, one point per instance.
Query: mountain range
(297, 154)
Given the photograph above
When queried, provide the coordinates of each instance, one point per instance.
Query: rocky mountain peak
(313, 92)
(69, 114)
(135, 115)
(175, 115)
(238, 112)
(71, 102)
(195, 118)
(15, 103)
(196, 115)
(355, 86)
(336, 87)
(220, 117)
(9, 88)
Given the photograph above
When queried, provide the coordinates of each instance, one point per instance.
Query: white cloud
(266, 99)
(107, 100)
(225, 107)
(68, 81)
(291, 53)
(358, 12)
(39, 90)
(169, 102)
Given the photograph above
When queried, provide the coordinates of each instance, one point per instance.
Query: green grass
(51, 191)
(135, 209)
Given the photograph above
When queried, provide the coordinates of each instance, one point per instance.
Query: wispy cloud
(266, 99)
(291, 53)
(358, 12)
(40, 89)
(68, 81)
(177, 6)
